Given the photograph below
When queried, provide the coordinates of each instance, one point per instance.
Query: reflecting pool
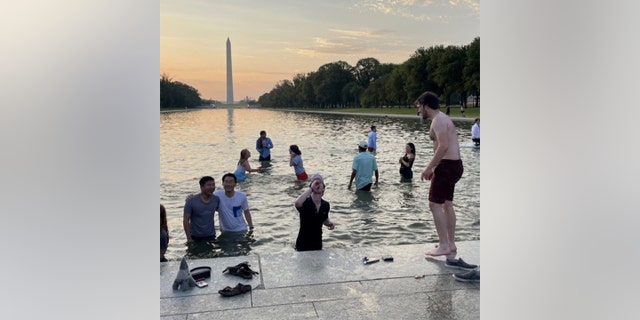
(208, 142)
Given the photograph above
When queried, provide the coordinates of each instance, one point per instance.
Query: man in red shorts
(444, 170)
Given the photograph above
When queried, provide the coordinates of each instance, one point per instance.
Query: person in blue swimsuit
(243, 166)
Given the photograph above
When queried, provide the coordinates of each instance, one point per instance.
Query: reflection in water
(208, 142)
(230, 125)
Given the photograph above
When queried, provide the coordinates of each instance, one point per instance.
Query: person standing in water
(264, 146)
(406, 162)
(372, 139)
(164, 233)
(244, 166)
(295, 161)
(364, 165)
(314, 213)
(475, 132)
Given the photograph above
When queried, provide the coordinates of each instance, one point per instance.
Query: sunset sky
(275, 40)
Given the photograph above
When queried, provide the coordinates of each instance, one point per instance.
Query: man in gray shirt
(198, 220)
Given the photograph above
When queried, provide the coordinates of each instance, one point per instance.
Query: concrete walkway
(329, 284)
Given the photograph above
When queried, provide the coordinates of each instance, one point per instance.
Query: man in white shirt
(234, 207)
(475, 132)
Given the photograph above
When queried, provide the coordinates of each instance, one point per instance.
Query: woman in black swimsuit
(406, 162)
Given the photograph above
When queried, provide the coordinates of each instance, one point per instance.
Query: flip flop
(238, 289)
(242, 270)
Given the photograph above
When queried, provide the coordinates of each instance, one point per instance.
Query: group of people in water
(444, 171)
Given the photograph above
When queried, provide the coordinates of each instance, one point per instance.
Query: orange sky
(273, 41)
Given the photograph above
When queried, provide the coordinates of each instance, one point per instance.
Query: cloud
(424, 10)
(345, 42)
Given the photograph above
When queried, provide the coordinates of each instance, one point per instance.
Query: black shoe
(459, 264)
(242, 270)
(470, 276)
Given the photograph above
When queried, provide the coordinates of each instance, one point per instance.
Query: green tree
(471, 71)
(446, 66)
(175, 94)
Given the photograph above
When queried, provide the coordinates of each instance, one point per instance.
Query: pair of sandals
(242, 270)
(238, 289)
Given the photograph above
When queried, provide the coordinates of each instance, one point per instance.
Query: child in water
(244, 166)
(295, 161)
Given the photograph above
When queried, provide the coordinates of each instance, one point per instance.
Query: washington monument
(229, 76)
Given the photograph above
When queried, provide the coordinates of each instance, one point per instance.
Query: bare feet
(439, 251)
(453, 248)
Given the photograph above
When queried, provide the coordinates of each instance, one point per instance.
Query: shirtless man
(444, 170)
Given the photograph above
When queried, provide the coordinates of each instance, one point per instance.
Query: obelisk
(229, 76)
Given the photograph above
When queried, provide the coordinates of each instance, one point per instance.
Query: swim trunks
(443, 183)
(303, 176)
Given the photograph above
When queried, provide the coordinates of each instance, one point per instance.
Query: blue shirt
(365, 164)
(298, 168)
(264, 147)
(372, 139)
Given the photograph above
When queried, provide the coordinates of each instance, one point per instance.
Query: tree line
(175, 94)
(451, 72)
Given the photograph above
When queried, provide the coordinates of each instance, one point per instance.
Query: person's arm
(247, 166)
(376, 173)
(269, 143)
(186, 218)
(301, 198)
(247, 216)
(353, 175)
(329, 224)
(259, 145)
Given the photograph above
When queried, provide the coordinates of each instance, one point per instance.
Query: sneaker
(459, 264)
(470, 276)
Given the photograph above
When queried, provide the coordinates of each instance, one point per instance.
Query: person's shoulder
(218, 192)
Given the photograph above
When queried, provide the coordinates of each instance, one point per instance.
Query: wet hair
(244, 154)
(163, 219)
(294, 148)
(412, 147)
(263, 132)
(229, 174)
(429, 99)
(206, 179)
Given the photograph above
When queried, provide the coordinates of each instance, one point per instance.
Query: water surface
(208, 142)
